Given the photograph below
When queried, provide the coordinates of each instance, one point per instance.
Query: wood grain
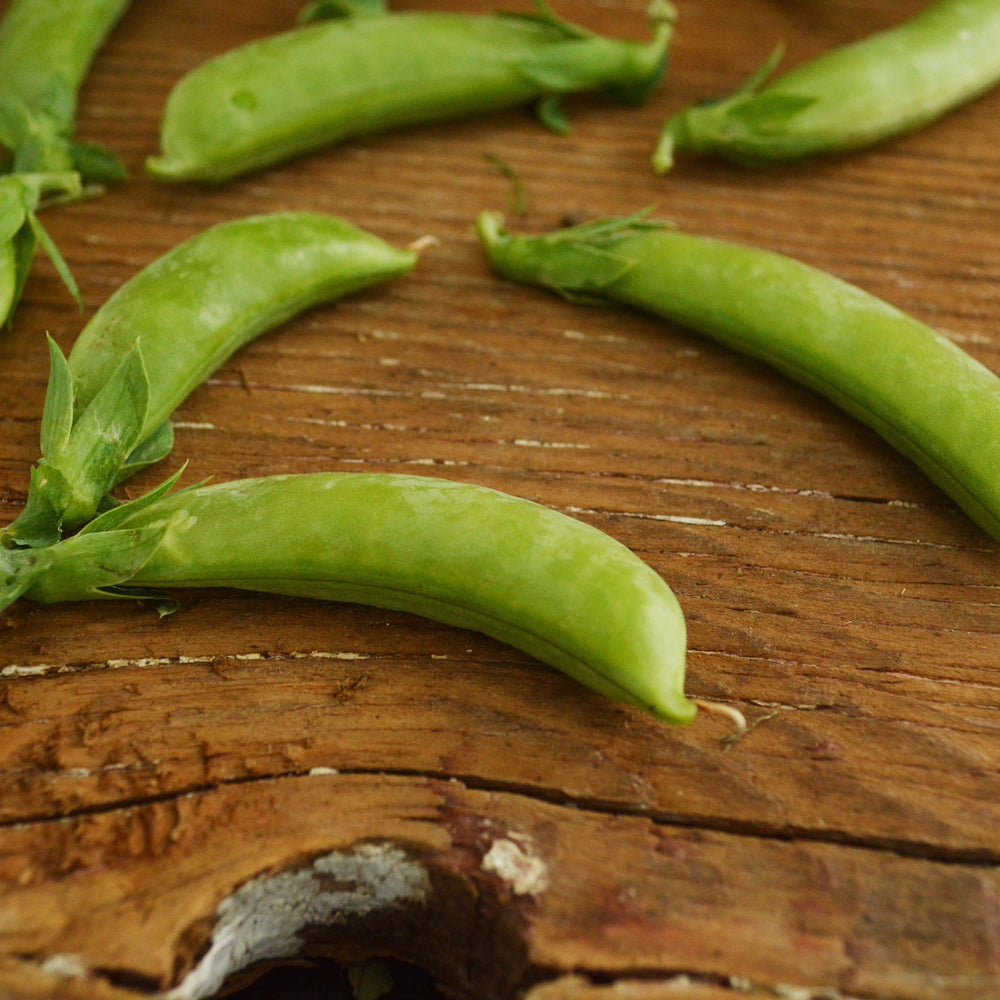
(847, 845)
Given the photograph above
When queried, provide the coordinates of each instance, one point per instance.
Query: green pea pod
(465, 555)
(163, 332)
(885, 85)
(20, 232)
(922, 393)
(46, 48)
(322, 82)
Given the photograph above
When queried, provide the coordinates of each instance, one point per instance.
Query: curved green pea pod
(163, 332)
(46, 48)
(922, 393)
(465, 555)
(320, 83)
(20, 232)
(885, 85)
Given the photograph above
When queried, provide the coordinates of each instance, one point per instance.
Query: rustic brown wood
(153, 770)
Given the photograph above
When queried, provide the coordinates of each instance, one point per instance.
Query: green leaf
(57, 413)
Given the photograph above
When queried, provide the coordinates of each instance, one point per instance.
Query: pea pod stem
(323, 82)
(464, 555)
(885, 85)
(922, 393)
(163, 332)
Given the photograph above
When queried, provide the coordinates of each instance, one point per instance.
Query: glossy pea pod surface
(465, 555)
(323, 82)
(884, 85)
(166, 329)
(926, 396)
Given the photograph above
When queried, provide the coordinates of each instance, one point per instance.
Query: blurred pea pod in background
(46, 49)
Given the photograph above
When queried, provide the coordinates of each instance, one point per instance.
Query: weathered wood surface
(848, 845)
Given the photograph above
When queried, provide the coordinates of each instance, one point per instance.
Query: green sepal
(20, 195)
(96, 164)
(549, 111)
(148, 452)
(112, 519)
(578, 262)
(554, 69)
(766, 112)
(57, 412)
(325, 10)
(548, 18)
(39, 525)
(762, 74)
(87, 566)
(104, 435)
(582, 272)
(52, 251)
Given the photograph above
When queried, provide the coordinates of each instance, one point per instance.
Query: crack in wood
(900, 847)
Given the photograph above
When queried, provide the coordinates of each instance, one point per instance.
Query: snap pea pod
(924, 395)
(46, 49)
(461, 554)
(163, 332)
(319, 83)
(884, 85)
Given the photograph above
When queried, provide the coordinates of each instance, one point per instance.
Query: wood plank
(847, 845)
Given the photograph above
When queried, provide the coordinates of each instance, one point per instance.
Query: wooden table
(362, 782)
